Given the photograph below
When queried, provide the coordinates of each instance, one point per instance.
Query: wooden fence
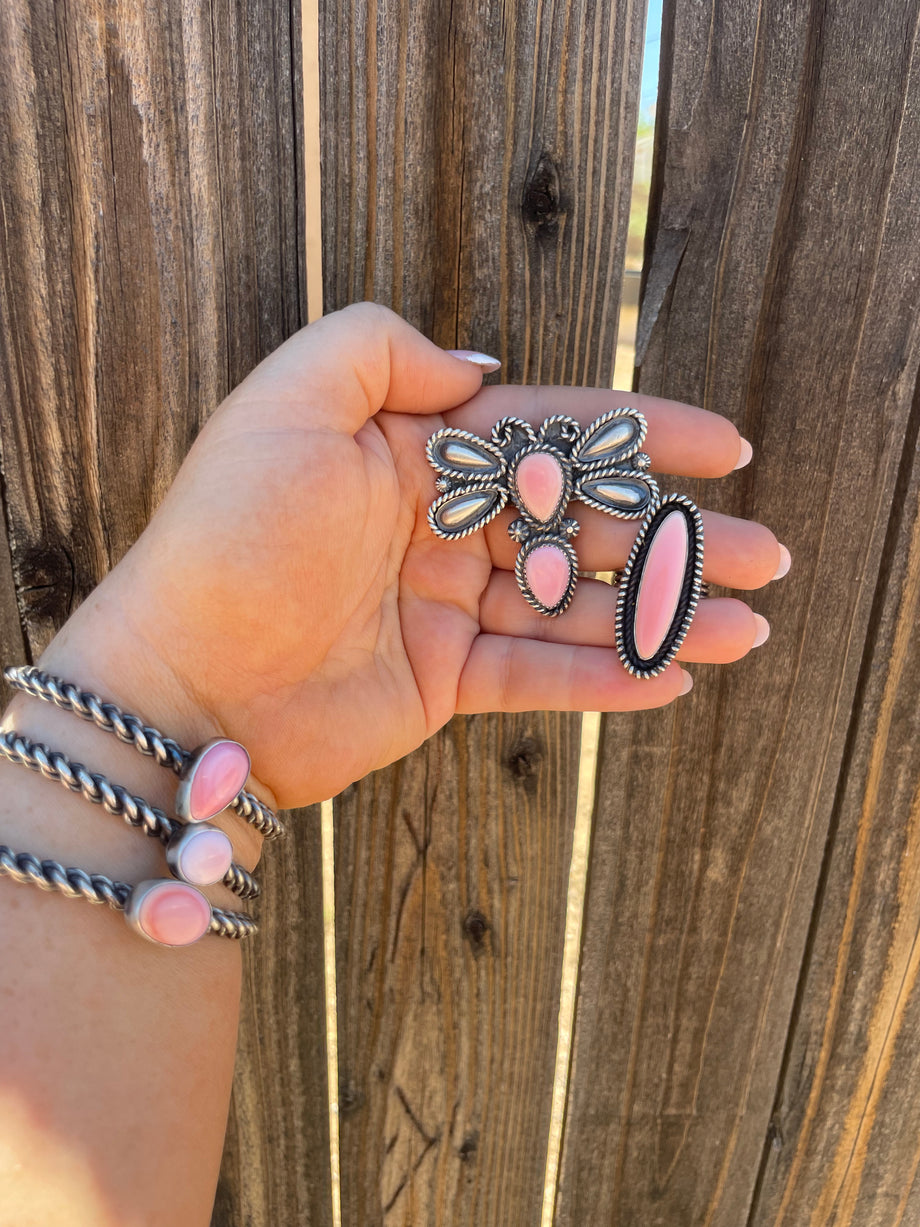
(747, 1021)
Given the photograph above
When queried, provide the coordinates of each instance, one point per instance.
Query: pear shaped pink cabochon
(540, 483)
(212, 780)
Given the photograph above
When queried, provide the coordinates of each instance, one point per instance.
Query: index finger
(682, 439)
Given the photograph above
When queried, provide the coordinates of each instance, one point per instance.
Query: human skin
(289, 594)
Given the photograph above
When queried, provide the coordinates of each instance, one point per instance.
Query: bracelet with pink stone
(199, 854)
(211, 777)
(165, 912)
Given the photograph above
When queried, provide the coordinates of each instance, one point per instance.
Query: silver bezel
(456, 472)
(612, 471)
(183, 792)
(136, 898)
(565, 496)
(593, 428)
(524, 553)
(176, 846)
(631, 576)
(459, 490)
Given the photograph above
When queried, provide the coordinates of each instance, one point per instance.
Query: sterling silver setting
(631, 583)
(602, 465)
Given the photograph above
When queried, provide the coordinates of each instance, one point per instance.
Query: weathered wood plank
(783, 289)
(477, 165)
(843, 1136)
(151, 252)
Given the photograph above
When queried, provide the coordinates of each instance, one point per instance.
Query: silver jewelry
(145, 739)
(115, 799)
(540, 472)
(97, 888)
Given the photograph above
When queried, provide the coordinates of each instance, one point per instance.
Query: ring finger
(723, 629)
(737, 553)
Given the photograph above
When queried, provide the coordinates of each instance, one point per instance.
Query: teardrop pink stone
(547, 571)
(662, 580)
(174, 914)
(217, 778)
(539, 483)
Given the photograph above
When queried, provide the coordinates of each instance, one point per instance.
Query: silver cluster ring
(540, 472)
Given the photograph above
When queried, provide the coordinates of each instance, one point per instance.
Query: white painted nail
(745, 455)
(785, 562)
(687, 684)
(486, 364)
(763, 630)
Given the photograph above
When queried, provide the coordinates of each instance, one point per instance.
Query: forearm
(117, 1054)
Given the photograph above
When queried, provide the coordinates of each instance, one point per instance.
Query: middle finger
(737, 553)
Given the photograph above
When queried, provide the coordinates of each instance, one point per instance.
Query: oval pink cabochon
(174, 914)
(661, 583)
(204, 856)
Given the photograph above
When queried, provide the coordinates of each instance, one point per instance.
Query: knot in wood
(351, 1097)
(46, 582)
(468, 1147)
(541, 201)
(475, 928)
(524, 759)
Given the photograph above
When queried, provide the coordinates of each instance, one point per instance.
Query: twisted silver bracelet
(132, 731)
(113, 798)
(97, 888)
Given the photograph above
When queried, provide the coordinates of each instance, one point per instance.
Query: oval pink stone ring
(602, 465)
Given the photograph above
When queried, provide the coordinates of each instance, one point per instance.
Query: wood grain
(151, 253)
(782, 289)
(477, 163)
(842, 1144)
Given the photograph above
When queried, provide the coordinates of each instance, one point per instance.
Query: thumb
(338, 372)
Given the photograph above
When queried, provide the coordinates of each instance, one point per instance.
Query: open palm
(290, 586)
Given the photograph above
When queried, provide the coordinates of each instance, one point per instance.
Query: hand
(289, 593)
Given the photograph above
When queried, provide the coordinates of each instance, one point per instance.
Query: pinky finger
(504, 673)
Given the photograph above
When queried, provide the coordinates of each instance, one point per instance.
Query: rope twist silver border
(97, 888)
(132, 731)
(99, 790)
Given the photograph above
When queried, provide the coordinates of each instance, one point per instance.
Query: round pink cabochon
(174, 914)
(205, 856)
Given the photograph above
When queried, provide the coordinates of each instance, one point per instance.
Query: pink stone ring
(541, 472)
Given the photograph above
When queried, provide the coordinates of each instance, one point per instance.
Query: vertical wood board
(151, 246)
(477, 171)
(781, 289)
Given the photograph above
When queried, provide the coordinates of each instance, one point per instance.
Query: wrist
(97, 652)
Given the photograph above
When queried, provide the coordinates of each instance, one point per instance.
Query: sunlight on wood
(313, 235)
(332, 1038)
(591, 721)
(578, 871)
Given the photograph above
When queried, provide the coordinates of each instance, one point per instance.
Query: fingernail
(745, 456)
(763, 631)
(687, 684)
(483, 361)
(785, 562)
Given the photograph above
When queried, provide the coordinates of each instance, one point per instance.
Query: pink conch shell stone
(662, 580)
(539, 483)
(174, 914)
(204, 857)
(217, 778)
(547, 571)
